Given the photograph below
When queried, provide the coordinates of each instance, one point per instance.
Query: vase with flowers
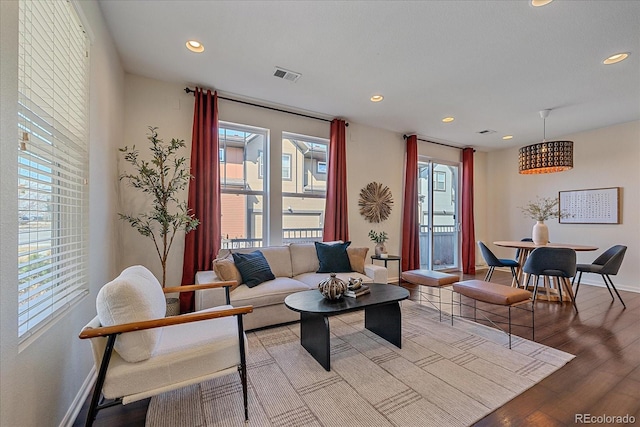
(541, 210)
(379, 239)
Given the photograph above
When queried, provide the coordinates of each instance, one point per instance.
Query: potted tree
(163, 177)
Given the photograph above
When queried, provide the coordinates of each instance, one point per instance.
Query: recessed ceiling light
(613, 59)
(506, 137)
(377, 98)
(195, 46)
(538, 3)
(448, 119)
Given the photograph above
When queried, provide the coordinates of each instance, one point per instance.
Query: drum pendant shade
(545, 156)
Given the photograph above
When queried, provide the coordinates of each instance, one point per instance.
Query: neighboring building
(243, 175)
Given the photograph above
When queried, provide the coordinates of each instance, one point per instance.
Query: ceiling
(492, 65)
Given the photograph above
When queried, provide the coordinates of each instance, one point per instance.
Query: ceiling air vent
(486, 132)
(291, 76)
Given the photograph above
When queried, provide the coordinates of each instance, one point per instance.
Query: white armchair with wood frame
(138, 353)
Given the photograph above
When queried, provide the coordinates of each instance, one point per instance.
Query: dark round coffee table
(381, 316)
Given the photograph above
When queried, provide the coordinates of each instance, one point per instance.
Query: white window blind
(53, 117)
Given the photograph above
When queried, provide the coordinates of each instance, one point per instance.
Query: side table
(386, 261)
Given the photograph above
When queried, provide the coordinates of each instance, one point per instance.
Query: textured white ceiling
(490, 64)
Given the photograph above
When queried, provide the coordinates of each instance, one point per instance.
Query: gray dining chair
(493, 262)
(551, 262)
(606, 265)
(526, 239)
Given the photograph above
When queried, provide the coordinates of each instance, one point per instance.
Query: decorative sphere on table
(332, 287)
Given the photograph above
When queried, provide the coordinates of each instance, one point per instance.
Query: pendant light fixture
(546, 157)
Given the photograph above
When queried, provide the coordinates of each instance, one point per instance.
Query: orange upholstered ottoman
(433, 279)
(428, 278)
(493, 293)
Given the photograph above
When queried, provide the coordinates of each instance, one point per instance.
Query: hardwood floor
(603, 379)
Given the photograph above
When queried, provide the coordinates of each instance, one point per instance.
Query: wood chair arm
(189, 288)
(166, 321)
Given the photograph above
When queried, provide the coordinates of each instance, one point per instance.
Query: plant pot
(540, 233)
(173, 307)
(380, 249)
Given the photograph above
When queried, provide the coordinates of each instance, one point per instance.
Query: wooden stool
(493, 293)
(432, 279)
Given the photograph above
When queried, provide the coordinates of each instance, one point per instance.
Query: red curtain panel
(410, 224)
(336, 222)
(468, 232)
(202, 245)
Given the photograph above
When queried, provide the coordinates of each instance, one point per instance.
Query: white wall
(375, 155)
(40, 380)
(147, 103)
(607, 157)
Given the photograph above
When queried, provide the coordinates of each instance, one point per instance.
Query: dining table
(550, 291)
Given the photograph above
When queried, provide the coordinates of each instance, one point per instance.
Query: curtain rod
(438, 143)
(189, 90)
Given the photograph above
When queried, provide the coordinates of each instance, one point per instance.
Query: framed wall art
(592, 206)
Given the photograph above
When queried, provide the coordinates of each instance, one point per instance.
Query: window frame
(324, 167)
(243, 188)
(52, 162)
(304, 191)
(287, 176)
(437, 181)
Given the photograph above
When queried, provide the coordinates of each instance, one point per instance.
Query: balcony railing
(444, 246)
(301, 235)
(289, 235)
(444, 243)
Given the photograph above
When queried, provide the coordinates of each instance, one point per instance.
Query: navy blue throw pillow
(253, 268)
(333, 258)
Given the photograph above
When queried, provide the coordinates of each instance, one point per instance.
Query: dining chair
(493, 262)
(526, 239)
(559, 263)
(606, 265)
(139, 353)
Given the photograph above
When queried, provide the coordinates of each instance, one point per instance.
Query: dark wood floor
(603, 379)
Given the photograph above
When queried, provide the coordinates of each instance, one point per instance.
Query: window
(221, 155)
(439, 181)
(304, 190)
(53, 85)
(286, 166)
(243, 192)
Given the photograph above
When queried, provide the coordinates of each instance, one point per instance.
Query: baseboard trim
(78, 401)
(601, 285)
(596, 281)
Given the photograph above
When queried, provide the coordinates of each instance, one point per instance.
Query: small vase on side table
(540, 233)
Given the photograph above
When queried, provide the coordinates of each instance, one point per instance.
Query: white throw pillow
(134, 296)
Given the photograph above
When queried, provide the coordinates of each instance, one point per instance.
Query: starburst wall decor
(375, 202)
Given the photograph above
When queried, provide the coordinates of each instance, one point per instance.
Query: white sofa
(294, 267)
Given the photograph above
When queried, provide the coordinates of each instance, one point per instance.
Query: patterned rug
(442, 376)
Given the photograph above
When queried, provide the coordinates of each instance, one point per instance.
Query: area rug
(442, 376)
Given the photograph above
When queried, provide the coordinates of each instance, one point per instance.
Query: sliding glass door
(438, 184)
